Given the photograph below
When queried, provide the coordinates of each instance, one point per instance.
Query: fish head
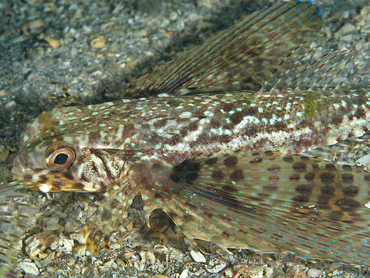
(64, 150)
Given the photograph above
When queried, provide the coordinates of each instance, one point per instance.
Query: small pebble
(314, 273)
(70, 226)
(149, 53)
(4, 93)
(173, 16)
(122, 65)
(197, 256)
(62, 244)
(79, 237)
(180, 25)
(71, 32)
(41, 36)
(87, 29)
(110, 264)
(98, 42)
(208, 3)
(73, 7)
(165, 23)
(60, 9)
(53, 43)
(11, 105)
(29, 267)
(184, 274)
(49, 8)
(215, 266)
(141, 33)
(228, 273)
(347, 38)
(106, 25)
(78, 14)
(161, 249)
(4, 153)
(150, 258)
(365, 13)
(73, 52)
(36, 244)
(79, 250)
(346, 29)
(35, 24)
(131, 64)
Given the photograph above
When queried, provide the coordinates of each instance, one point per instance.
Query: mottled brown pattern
(237, 175)
(299, 167)
(327, 177)
(309, 176)
(288, 159)
(273, 168)
(217, 175)
(294, 178)
(255, 160)
(211, 161)
(347, 178)
(350, 191)
(231, 161)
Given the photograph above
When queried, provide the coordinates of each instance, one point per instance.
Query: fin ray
(11, 229)
(294, 200)
(244, 63)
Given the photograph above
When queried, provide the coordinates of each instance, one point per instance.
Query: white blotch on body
(247, 121)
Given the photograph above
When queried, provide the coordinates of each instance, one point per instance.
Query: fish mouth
(56, 182)
(45, 180)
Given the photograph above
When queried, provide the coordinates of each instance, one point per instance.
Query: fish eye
(59, 156)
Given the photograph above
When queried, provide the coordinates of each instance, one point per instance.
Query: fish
(229, 159)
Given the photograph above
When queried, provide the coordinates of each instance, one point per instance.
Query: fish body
(219, 156)
(175, 128)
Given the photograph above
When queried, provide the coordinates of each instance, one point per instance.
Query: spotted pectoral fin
(272, 202)
(12, 216)
(241, 57)
(143, 177)
(110, 215)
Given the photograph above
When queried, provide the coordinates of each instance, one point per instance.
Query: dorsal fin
(324, 71)
(241, 57)
(352, 151)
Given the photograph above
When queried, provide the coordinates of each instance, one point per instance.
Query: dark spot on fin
(231, 161)
(211, 161)
(187, 171)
